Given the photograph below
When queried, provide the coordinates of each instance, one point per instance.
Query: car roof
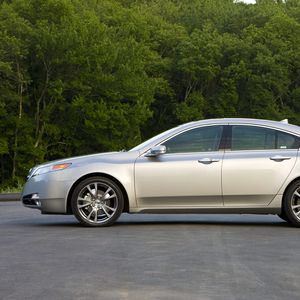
(278, 125)
(283, 125)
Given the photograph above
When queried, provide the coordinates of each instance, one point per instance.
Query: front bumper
(46, 206)
(31, 200)
(47, 192)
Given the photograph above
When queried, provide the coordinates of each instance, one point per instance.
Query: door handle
(279, 158)
(207, 160)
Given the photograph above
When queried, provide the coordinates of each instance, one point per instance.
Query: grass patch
(17, 188)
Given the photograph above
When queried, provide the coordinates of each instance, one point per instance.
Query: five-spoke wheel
(97, 201)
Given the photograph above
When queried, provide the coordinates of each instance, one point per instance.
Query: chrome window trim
(220, 151)
(225, 123)
(263, 126)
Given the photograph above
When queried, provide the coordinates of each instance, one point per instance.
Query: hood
(77, 158)
(106, 157)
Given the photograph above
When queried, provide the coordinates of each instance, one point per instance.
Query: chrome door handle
(207, 160)
(279, 158)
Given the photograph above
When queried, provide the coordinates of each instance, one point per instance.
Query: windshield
(153, 139)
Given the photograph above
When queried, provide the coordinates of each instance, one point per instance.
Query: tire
(291, 204)
(97, 202)
(283, 217)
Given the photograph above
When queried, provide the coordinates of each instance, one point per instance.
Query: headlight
(43, 170)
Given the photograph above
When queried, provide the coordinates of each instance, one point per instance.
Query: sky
(248, 1)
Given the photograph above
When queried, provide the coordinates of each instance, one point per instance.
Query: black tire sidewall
(283, 217)
(85, 182)
(287, 204)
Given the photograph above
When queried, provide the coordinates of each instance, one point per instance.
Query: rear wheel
(97, 201)
(291, 204)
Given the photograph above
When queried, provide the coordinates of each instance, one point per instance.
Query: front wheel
(97, 202)
(291, 204)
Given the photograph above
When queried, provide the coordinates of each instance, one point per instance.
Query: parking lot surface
(147, 257)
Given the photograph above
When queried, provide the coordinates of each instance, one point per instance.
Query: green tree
(88, 76)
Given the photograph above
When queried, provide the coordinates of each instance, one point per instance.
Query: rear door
(257, 164)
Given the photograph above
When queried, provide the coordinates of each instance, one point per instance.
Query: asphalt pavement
(232, 257)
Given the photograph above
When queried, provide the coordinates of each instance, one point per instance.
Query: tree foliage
(88, 76)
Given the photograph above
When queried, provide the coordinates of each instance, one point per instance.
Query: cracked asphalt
(232, 257)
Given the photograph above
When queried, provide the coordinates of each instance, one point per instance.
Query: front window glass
(201, 139)
(151, 140)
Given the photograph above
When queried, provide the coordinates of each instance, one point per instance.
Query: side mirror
(156, 151)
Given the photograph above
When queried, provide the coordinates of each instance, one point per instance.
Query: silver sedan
(210, 166)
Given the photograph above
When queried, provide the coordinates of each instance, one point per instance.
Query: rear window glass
(252, 138)
(260, 138)
(286, 141)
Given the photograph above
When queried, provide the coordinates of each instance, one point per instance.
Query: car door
(256, 165)
(187, 175)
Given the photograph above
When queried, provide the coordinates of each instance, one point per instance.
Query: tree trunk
(40, 125)
(2, 168)
(18, 121)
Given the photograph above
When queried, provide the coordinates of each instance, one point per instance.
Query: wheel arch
(287, 187)
(115, 180)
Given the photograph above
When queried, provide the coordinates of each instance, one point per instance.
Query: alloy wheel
(97, 201)
(295, 203)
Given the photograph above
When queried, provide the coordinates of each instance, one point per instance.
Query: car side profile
(244, 166)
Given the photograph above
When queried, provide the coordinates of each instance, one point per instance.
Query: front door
(187, 176)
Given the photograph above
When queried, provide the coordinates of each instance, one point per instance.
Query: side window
(201, 139)
(252, 138)
(259, 138)
(286, 141)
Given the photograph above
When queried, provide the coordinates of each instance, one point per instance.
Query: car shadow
(160, 223)
(197, 223)
(147, 220)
